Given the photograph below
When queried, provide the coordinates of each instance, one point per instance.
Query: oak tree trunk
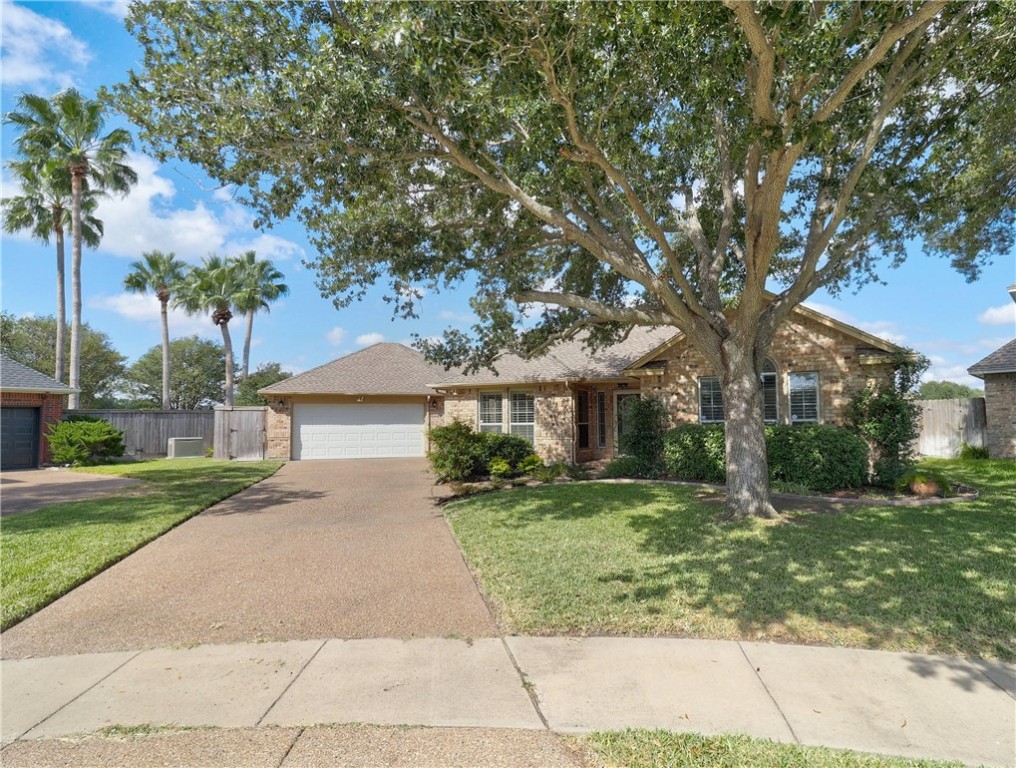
(747, 466)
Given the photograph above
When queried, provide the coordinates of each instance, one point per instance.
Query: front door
(621, 399)
(19, 438)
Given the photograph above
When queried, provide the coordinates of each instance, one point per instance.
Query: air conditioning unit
(186, 447)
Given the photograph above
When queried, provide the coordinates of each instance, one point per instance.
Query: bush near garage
(84, 442)
(460, 453)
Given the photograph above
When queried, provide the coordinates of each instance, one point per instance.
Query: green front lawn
(45, 554)
(653, 559)
(649, 749)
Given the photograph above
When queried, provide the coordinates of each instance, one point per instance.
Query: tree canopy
(946, 390)
(265, 375)
(617, 163)
(195, 380)
(32, 342)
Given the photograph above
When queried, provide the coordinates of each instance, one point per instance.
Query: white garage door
(357, 431)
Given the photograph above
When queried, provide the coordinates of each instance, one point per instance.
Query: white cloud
(117, 8)
(38, 53)
(460, 317)
(958, 373)
(144, 309)
(336, 336)
(148, 219)
(1003, 315)
(366, 339)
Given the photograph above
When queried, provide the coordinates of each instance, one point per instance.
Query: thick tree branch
(765, 60)
(890, 37)
(605, 312)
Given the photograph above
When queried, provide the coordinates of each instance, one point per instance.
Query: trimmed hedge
(819, 457)
(459, 453)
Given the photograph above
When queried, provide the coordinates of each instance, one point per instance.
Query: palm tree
(261, 285)
(158, 273)
(214, 287)
(66, 130)
(43, 208)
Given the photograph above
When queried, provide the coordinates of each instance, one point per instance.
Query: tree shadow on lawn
(937, 577)
(933, 577)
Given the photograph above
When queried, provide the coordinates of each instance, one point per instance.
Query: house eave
(39, 390)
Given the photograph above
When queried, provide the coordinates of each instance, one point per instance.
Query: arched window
(770, 390)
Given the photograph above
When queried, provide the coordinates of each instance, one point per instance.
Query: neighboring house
(29, 402)
(381, 400)
(998, 370)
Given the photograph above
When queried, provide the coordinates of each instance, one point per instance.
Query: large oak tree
(618, 163)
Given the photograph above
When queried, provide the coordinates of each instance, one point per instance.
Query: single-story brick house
(29, 402)
(381, 400)
(998, 370)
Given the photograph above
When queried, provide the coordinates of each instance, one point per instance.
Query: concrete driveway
(323, 549)
(26, 490)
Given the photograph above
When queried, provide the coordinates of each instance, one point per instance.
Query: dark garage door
(19, 438)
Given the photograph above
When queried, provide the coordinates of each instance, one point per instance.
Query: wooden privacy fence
(240, 433)
(148, 432)
(946, 424)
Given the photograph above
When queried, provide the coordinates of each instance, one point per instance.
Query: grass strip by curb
(46, 553)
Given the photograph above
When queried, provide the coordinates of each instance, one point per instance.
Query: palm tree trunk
(165, 355)
(246, 344)
(61, 307)
(227, 344)
(75, 358)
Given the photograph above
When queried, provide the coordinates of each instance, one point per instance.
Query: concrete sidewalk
(903, 704)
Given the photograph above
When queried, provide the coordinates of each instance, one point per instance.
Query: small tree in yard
(888, 418)
(620, 164)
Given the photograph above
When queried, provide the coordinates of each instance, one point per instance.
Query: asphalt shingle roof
(565, 360)
(1002, 360)
(381, 369)
(15, 377)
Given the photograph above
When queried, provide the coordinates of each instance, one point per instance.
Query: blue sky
(175, 207)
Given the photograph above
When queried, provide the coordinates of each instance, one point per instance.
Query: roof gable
(866, 338)
(566, 360)
(1002, 360)
(15, 377)
(380, 369)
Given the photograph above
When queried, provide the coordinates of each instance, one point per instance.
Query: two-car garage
(357, 430)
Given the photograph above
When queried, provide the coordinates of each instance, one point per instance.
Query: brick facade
(802, 345)
(50, 412)
(1000, 414)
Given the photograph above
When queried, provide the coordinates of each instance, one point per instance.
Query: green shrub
(578, 472)
(969, 452)
(85, 442)
(530, 464)
(889, 419)
(551, 472)
(696, 452)
(511, 448)
(457, 452)
(622, 466)
(923, 475)
(820, 457)
(642, 441)
(500, 468)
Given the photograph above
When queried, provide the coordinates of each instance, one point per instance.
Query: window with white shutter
(804, 392)
(491, 413)
(710, 400)
(523, 415)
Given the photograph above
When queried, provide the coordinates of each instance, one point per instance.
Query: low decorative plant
(970, 452)
(924, 482)
(500, 468)
(84, 442)
(530, 464)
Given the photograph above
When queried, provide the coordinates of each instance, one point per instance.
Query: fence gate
(240, 433)
(946, 424)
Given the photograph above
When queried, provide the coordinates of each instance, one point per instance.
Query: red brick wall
(52, 412)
